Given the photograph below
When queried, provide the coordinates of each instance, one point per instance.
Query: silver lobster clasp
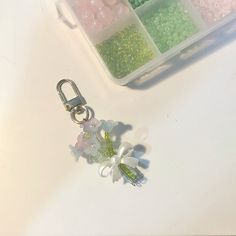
(78, 100)
(76, 105)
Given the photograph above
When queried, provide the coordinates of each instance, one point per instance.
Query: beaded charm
(95, 141)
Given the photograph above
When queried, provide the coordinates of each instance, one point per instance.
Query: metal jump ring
(78, 111)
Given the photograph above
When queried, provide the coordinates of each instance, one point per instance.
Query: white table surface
(186, 122)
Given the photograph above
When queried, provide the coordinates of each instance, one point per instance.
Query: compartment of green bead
(126, 51)
(168, 23)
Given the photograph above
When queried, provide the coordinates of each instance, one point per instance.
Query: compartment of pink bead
(133, 38)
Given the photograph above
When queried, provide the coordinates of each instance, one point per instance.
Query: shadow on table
(204, 47)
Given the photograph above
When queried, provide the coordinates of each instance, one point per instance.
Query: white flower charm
(94, 146)
(82, 142)
(112, 166)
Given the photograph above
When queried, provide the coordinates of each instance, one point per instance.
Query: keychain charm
(95, 141)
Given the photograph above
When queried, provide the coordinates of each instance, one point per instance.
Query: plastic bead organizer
(134, 38)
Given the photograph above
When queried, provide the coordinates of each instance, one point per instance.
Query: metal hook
(78, 100)
(76, 105)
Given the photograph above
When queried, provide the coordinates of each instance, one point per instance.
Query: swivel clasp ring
(76, 106)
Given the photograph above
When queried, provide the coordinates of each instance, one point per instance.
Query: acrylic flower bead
(93, 147)
(91, 126)
(87, 144)
(82, 142)
(110, 2)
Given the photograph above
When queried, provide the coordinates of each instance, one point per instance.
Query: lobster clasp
(76, 102)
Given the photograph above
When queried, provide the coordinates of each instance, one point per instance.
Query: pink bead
(96, 4)
(110, 2)
(105, 16)
(120, 10)
(96, 26)
(95, 15)
(214, 10)
(86, 16)
(82, 143)
(83, 11)
(79, 4)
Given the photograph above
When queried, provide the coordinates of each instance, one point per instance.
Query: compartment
(127, 50)
(96, 16)
(168, 22)
(213, 11)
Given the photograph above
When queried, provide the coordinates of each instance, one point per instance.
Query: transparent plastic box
(140, 42)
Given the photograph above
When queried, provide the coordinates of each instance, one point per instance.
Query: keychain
(95, 142)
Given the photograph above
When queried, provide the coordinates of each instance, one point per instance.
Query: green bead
(125, 51)
(133, 175)
(107, 147)
(169, 24)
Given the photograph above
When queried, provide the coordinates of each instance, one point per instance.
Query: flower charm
(91, 126)
(93, 145)
(82, 142)
(93, 148)
(115, 166)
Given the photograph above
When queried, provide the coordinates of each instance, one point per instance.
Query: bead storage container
(136, 39)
